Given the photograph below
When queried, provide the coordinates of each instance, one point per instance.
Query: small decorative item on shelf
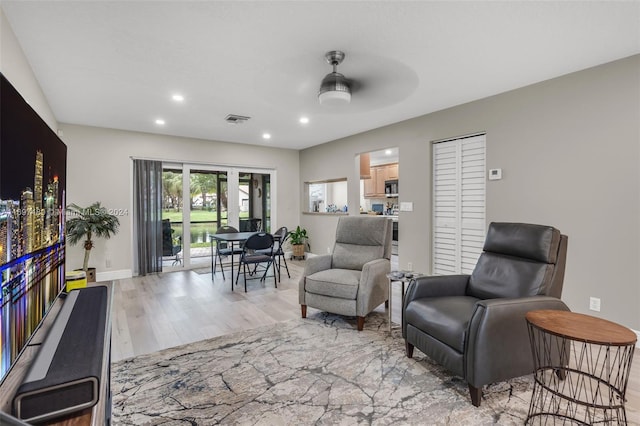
(298, 240)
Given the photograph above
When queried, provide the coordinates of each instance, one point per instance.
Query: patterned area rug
(318, 370)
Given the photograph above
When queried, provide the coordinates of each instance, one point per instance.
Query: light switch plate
(495, 174)
(406, 206)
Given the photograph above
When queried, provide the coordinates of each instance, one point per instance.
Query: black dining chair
(251, 224)
(224, 249)
(281, 236)
(257, 250)
(169, 247)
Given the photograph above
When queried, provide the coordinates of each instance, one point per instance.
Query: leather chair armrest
(436, 286)
(374, 286)
(311, 266)
(433, 286)
(497, 346)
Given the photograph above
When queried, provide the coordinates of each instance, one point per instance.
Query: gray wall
(99, 168)
(569, 149)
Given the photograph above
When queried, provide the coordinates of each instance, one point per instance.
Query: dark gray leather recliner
(475, 325)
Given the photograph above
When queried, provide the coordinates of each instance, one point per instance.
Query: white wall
(570, 153)
(99, 169)
(16, 68)
(339, 194)
(99, 164)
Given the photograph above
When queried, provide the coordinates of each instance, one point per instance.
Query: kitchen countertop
(393, 217)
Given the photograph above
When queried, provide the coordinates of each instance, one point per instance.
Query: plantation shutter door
(445, 208)
(458, 204)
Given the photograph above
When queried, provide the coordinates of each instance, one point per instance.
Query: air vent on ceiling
(236, 119)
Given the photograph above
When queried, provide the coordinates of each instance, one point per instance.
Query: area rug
(318, 370)
(203, 271)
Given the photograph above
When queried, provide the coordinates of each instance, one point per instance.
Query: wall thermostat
(495, 174)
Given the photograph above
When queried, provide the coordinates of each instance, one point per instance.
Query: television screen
(32, 199)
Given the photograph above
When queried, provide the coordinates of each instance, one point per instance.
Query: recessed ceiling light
(177, 98)
(304, 120)
(266, 136)
(160, 122)
(388, 152)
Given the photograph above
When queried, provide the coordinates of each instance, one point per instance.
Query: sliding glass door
(199, 199)
(172, 206)
(206, 211)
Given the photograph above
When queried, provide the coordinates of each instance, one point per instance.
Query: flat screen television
(33, 164)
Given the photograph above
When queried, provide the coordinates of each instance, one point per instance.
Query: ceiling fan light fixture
(335, 88)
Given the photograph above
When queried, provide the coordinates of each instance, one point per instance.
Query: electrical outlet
(409, 266)
(107, 263)
(328, 250)
(594, 304)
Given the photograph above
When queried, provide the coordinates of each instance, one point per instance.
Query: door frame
(233, 207)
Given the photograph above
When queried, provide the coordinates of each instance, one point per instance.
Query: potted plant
(86, 223)
(298, 240)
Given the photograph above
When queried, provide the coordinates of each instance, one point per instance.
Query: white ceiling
(115, 64)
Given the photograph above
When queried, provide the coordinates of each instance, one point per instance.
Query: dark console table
(582, 365)
(97, 415)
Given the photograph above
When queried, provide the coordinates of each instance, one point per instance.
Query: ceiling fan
(335, 89)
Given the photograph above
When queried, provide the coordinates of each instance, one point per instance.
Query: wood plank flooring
(170, 309)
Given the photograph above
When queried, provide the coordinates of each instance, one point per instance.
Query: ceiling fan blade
(358, 85)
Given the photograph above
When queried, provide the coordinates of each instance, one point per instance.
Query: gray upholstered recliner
(475, 325)
(352, 280)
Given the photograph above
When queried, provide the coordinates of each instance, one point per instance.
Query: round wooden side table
(582, 365)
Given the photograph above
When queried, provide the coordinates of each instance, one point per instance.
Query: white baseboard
(113, 275)
(637, 341)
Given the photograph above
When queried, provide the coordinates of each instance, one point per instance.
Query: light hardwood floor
(170, 309)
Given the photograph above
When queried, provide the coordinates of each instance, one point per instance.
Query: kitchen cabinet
(374, 187)
(392, 171)
(365, 166)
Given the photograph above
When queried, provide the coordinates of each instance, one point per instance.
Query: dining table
(232, 238)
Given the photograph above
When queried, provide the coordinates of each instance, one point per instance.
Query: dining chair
(224, 249)
(169, 248)
(281, 236)
(251, 224)
(257, 250)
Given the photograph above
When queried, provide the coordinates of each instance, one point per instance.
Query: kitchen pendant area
(379, 186)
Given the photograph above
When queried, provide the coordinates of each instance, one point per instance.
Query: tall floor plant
(87, 223)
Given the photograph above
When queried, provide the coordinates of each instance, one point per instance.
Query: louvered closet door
(458, 204)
